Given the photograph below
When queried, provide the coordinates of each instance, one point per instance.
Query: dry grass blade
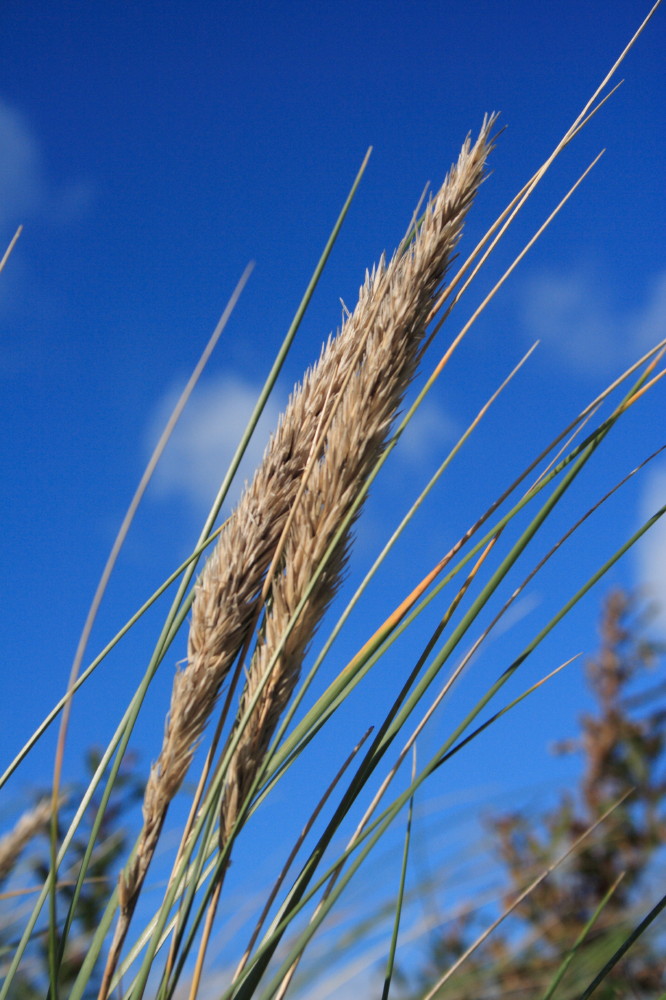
(389, 322)
(12, 244)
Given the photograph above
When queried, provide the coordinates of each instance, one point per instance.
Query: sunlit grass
(254, 699)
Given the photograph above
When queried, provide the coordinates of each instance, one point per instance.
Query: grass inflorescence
(252, 597)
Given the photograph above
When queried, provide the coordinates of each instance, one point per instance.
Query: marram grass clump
(265, 578)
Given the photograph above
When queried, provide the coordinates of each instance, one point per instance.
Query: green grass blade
(388, 975)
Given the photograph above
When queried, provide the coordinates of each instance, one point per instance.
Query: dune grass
(253, 595)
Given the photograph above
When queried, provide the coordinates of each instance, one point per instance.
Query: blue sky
(151, 150)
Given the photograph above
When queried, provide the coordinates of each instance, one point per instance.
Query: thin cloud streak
(574, 315)
(24, 186)
(428, 432)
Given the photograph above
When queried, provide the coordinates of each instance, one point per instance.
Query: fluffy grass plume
(340, 416)
(360, 379)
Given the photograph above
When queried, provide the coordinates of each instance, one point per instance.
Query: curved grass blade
(56, 953)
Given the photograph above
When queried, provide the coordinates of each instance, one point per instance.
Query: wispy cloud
(576, 316)
(427, 434)
(20, 169)
(206, 438)
(25, 188)
(651, 550)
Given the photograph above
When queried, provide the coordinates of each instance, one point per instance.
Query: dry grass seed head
(389, 323)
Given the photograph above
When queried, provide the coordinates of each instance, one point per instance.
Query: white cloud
(650, 321)
(651, 550)
(24, 185)
(426, 434)
(574, 314)
(206, 438)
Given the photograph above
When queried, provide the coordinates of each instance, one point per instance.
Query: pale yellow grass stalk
(31, 823)
(389, 325)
